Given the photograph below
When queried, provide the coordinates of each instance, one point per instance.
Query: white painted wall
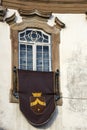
(73, 64)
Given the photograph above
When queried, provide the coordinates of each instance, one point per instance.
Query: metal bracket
(15, 92)
(57, 96)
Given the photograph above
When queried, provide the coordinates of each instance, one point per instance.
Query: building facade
(72, 50)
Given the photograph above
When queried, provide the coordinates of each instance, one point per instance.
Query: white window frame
(34, 45)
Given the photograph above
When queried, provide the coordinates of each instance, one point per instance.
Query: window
(34, 50)
(35, 45)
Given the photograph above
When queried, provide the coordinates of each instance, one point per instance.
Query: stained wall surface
(72, 115)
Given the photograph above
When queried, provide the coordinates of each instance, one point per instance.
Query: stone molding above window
(34, 22)
(55, 6)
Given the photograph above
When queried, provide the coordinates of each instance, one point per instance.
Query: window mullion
(34, 56)
(19, 56)
(50, 54)
(50, 58)
(26, 57)
(42, 58)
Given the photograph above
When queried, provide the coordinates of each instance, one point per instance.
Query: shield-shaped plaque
(37, 103)
(36, 95)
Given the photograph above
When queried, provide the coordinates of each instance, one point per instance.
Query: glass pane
(39, 33)
(29, 48)
(22, 53)
(23, 60)
(39, 68)
(28, 38)
(45, 48)
(39, 53)
(22, 57)
(28, 32)
(29, 68)
(39, 49)
(23, 67)
(46, 68)
(45, 38)
(22, 36)
(39, 58)
(28, 35)
(22, 47)
(46, 41)
(34, 34)
(46, 62)
(40, 38)
(39, 62)
(45, 58)
(29, 57)
(45, 53)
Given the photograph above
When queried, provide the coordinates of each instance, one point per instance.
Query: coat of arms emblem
(37, 103)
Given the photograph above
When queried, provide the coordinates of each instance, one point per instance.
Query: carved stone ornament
(59, 23)
(3, 11)
(41, 15)
(34, 12)
(11, 19)
(4, 18)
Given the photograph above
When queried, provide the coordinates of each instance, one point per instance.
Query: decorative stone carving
(4, 18)
(3, 11)
(31, 13)
(11, 19)
(59, 23)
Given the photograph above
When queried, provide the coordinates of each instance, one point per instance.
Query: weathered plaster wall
(73, 60)
(73, 55)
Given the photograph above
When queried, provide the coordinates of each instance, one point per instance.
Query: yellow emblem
(37, 103)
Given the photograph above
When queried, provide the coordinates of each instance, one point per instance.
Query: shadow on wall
(51, 120)
(2, 128)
